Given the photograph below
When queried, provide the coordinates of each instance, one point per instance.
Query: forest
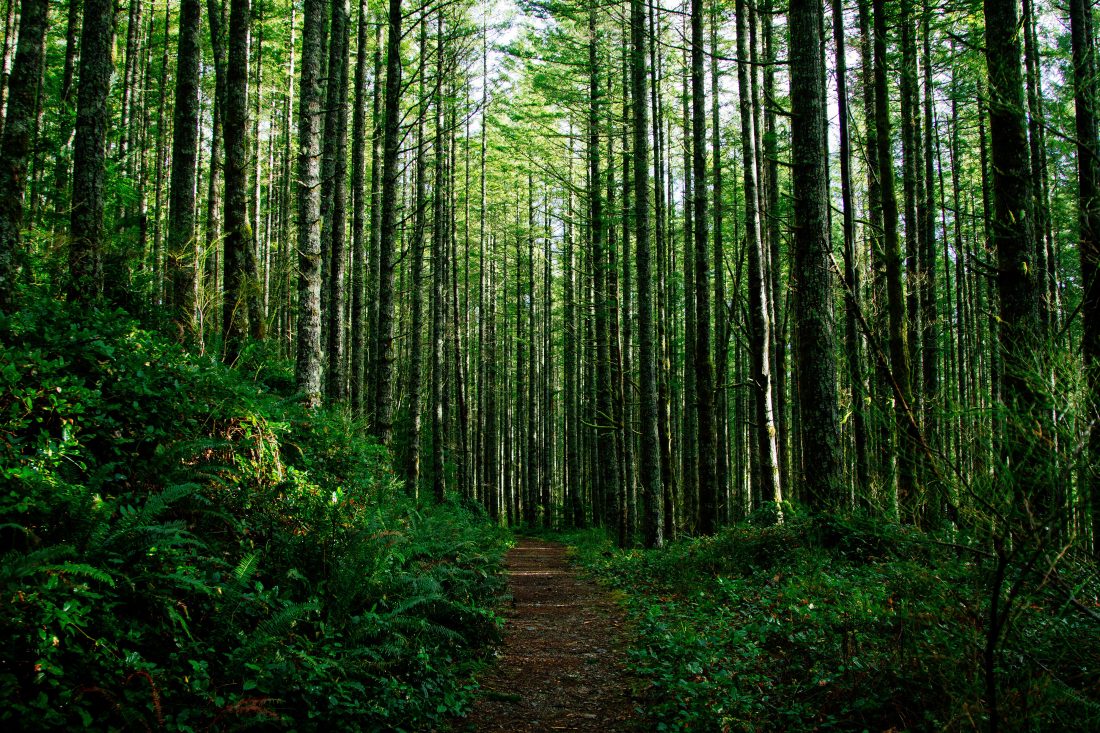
(767, 330)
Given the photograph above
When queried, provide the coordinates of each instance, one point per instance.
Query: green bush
(841, 624)
(183, 547)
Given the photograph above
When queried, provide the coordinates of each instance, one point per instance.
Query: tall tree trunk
(336, 141)
(308, 368)
(815, 328)
(906, 441)
(439, 267)
(374, 269)
(574, 511)
(7, 55)
(650, 468)
(771, 228)
(704, 359)
(1014, 238)
(384, 356)
(935, 500)
(689, 441)
(767, 487)
(416, 251)
(358, 209)
(16, 140)
(86, 246)
(718, 264)
(238, 229)
(1088, 173)
(624, 379)
(65, 113)
(851, 272)
(608, 475)
(215, 16)
(183, 253)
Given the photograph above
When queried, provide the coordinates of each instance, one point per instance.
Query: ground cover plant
(845, 625)
(183, 547)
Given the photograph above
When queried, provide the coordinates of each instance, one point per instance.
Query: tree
(183, 254)
(238, 229)
(704, 359)
(383, 350)
(649, 477)
(1013, 238)
(16, 140)
(308, 366)
(814, 320)
(334, 194)
(766, 481)
(86, 243)
(359, 232)
(1088, 192)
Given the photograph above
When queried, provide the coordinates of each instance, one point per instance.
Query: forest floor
(562, 665)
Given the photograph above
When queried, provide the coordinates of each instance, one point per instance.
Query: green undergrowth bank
(182, 547)
(845, 626)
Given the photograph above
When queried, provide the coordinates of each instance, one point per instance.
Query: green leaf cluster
(842, 624)
(184, 548)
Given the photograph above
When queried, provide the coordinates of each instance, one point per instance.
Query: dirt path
(562, 664)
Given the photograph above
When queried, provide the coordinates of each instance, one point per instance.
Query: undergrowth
(183, 547)
(857, 626)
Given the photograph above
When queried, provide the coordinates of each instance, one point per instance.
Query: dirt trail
(562, 664)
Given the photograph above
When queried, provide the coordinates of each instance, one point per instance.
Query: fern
(245, 569)
(18, 566)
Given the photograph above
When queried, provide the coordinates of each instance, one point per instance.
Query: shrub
(182, 547)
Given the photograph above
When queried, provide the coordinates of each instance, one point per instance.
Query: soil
(562, 665)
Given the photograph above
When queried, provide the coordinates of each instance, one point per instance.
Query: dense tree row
(654, 267)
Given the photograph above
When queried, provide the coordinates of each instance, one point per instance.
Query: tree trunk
(238, 230)
(1014, 239)
(87, 244)
(851, 272)
(1088, 172)
(439, 266)
(906, 442)
(650, 468)
(813, 281)
(16, 140)
(336, 141)
(384, 356)
(721, 328)
(183, 254)
(767, 487)
(704, 359)
(358, 222)
(308, 368)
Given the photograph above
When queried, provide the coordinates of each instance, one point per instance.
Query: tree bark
(183, 253)
(813, 281)
(16, 141)
(704, 359)
(439, 267)
(238, 229)
(1088, 173)
(767, 487)
(650, 468)
(336, 143)
(359, 213)
(384, 356)
(86, 246)
(1014, 239)
(308, 368)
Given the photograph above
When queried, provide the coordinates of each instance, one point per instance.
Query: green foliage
(842, 625)
(183, 548)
